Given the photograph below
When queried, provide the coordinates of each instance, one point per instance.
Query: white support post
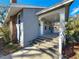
(41, 27)
(61, 34)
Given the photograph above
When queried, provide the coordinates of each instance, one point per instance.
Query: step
(48, 44)
(54, 50)
(46, 38)
(50, 53)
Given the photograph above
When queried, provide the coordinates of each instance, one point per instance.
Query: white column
(61, 34)
(41, 27)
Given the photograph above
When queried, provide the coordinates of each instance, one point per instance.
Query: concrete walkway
(47, 49)
(1, 53)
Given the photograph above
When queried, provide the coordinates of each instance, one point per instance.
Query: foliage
(72, 31)
(3, 11)
(5, 33)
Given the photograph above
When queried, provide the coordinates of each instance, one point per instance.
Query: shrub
(72, 31)
(5, 34)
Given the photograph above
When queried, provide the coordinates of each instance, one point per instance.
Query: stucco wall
(31, 25)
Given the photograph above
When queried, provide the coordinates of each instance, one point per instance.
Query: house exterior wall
(31, 25)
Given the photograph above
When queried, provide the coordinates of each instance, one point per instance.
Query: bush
(72, 31)
(5, 34)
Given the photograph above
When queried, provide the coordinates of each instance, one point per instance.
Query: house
(29, 22)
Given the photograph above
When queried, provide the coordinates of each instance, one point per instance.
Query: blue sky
(74, 8)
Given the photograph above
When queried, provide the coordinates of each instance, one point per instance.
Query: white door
(21, 34)
(19, 27)
(18, 31)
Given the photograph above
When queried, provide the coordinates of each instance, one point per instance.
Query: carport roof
(54, 7)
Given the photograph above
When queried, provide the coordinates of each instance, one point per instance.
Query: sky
(74, 8)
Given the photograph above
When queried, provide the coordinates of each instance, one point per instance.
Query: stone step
(44, 42)
(47, 44)
(51, 52)
(54, 50)
(40, 40)
(45, 38)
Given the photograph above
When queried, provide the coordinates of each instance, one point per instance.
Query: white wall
(31, 25)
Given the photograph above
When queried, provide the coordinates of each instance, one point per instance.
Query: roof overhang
(54, 7)
(11, 11)
(15, 8)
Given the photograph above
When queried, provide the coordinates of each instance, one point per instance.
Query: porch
(52, 22)
(49, 24)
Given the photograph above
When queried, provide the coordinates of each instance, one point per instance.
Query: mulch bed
(71, 51)
(8, 49)
(68, 51)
